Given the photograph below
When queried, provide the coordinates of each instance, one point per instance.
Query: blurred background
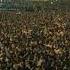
(33, 5)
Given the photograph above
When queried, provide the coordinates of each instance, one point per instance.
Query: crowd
(35, 41)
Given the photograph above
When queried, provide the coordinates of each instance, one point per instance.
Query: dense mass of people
(35, 40)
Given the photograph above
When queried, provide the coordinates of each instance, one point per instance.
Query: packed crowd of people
(35, 40)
